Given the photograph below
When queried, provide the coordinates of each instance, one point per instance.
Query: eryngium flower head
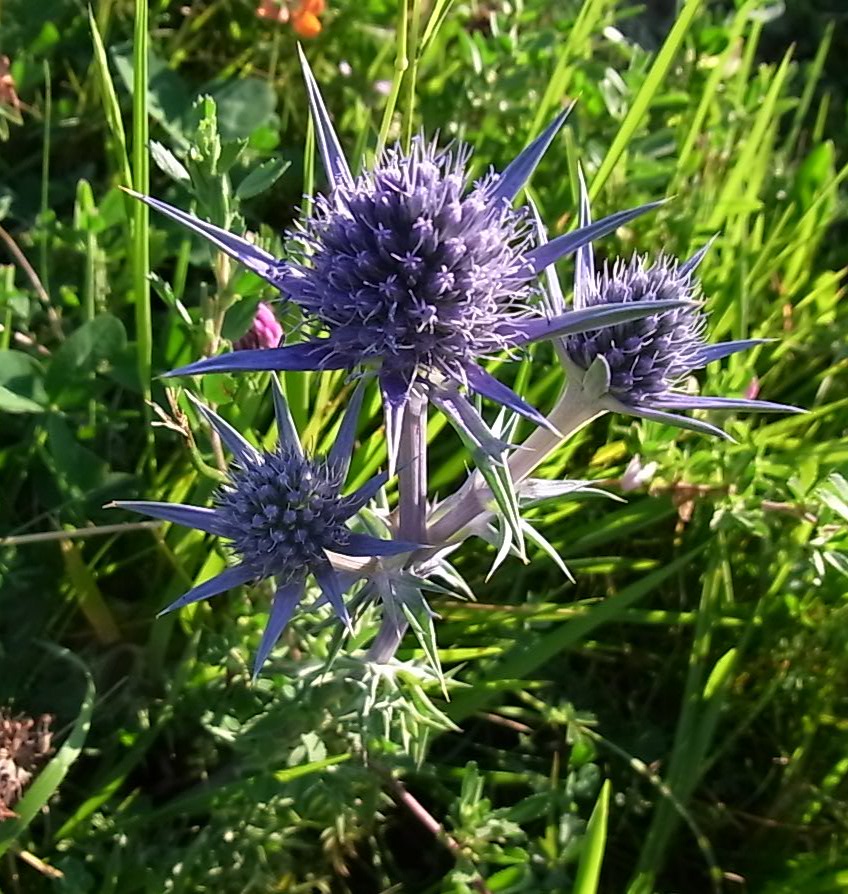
(416, 269)
(282, 514)
(636, 364)
(412, 266)
(24, 745)
(265, 331)
(648, 356)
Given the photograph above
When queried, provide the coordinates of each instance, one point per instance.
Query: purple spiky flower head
(414, 269)
(646, 357)
(637, 364)
(283, 514)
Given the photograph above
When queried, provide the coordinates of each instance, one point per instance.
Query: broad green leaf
(21, 385)
(262, 178)
(101, 339)
(243, 106)
(10, 402)
(76, 467)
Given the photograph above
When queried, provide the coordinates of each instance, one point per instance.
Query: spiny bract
(283, 514)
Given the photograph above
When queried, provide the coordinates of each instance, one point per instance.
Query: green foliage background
(700, 661)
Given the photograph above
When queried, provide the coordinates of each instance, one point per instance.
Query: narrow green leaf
(262, 178)
(141, 216)
(592, 852)
(50, 778)
(533, 651)
(438, 14)
(649, 89)
(168, 163)
(111, 106)
(752, 149)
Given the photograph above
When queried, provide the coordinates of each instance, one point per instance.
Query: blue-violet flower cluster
(414, 273)
(416, 270)
(283, 514)
(645, 359)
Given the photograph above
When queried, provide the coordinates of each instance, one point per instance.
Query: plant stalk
(412, 514)
(571, 413)
(412, 471)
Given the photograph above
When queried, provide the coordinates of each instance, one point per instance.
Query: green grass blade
(711, 87)
(411, 76)
(578, 37)
(89, 599)
(50, 778)
(401, 65)
(752, 149)
(111, 106)
(645, 96)
(811, 80)
(437, 17)
(44, 244)
(534, 651)
(703, 699)
(141, 217)
(592, 852)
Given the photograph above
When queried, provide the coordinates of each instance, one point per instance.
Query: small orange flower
(305, 22)
(304, 17)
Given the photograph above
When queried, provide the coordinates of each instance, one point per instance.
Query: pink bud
(753, 389)
(264, 332)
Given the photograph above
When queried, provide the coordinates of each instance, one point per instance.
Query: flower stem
(412, 74)
(412, 471)
(401, 64)
(412, 515)
(385, 644)
(402, 796)
(571, 413)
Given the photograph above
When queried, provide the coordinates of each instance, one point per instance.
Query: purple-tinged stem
(412, 514)
(388, 639)
(404, 797)
(412, 472)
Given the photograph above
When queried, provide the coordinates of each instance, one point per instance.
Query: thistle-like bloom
(635, 365)
(265, 331)
(283, 514)
(417, 270)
